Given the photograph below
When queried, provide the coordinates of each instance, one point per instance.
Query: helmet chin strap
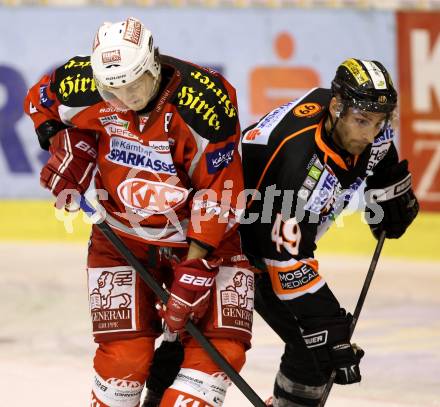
(341, 110)
(333, 124)
(331, 131)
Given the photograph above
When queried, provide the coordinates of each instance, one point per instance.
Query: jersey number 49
(286, 234)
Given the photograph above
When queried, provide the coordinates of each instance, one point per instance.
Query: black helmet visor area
(369, 106)
(365, 88)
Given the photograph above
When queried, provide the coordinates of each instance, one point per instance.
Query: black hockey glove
(328, 337)
(391, 190)
(346, 358)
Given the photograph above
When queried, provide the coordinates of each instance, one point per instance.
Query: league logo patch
(235, 298)
(112, 299)
(220, 158)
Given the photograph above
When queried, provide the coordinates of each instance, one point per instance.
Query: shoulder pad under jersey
(73, 83)
(203, 101)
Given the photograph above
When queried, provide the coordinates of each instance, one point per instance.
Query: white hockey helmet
(122, 53)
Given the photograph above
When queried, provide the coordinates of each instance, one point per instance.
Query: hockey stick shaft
(358, 309)
(120, 246)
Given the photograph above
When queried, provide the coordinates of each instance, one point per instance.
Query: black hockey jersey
(300, 181)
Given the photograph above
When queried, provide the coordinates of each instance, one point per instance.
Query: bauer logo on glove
(190, 292)
(70, 166)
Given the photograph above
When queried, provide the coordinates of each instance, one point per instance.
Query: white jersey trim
(210, 388)
(278, 263)
(260, 134)
(201, 146)
(67, 113)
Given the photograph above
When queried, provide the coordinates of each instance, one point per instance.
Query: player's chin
(357, 149)
(137, 105)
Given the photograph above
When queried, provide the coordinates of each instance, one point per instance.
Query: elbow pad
(47, 130)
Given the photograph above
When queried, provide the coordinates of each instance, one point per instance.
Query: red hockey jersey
(164, 177)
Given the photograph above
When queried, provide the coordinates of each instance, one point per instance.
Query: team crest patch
(112, 299)
(307, 109)
(235, 298)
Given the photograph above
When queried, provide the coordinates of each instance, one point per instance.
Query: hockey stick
(358, 308)
(120, 246)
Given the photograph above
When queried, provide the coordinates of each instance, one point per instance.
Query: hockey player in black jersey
(305, 160)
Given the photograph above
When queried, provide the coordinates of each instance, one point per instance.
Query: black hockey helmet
(365, 85)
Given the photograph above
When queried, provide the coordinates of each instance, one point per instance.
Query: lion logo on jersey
(235, 293)
(112, 290)
(239, 292)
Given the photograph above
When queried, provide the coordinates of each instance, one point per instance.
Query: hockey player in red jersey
(160, 137)
(309, 157)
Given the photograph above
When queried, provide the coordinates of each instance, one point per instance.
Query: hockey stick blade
(358, 309)
(120, 246)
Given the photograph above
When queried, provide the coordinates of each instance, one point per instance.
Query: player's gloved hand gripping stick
(99, 220)
(358, 308)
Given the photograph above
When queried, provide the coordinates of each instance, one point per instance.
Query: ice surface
(46, 351)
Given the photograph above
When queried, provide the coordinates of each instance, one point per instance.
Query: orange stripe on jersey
(313, 263)
(273, 157)
(328, 152)
(292, 280)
